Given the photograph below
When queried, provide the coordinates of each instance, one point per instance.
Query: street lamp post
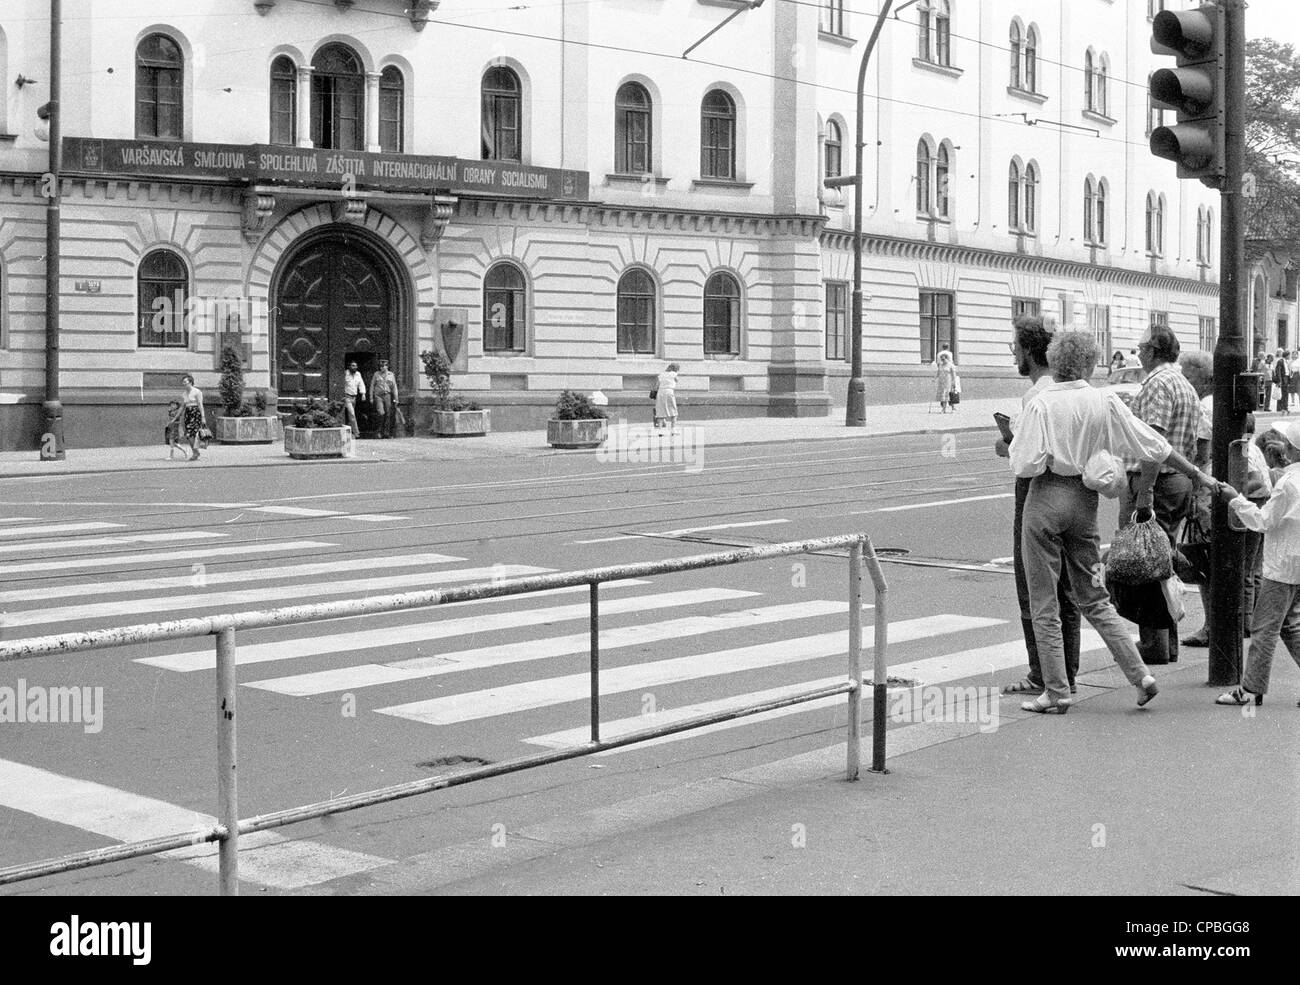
(855, 415)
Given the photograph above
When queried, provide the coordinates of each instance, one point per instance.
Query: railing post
(595, 661)
(881, 673)
(854, 737)
(227, 787)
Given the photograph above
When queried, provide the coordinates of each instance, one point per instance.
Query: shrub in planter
(578, 423)
(241, 421)
(453, 417)
(317, 432)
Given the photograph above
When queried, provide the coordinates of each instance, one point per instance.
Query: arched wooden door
(335, 304)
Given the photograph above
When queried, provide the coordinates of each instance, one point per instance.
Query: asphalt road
(353, 704)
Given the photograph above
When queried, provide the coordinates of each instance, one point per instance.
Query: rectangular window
(390, 120)
(504, 331)
(1159, 318)
(837, 319)
(1209, 333)
(1282, 336)
(938, 323)
(1067, 310)
(636, 329)
(1025, 306)
(832, 17)
(1099, 326)
(162, 315)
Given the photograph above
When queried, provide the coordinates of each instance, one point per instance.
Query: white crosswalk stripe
(81, 543)
(367, 675)
(523, 696)
(58, 528)
(302, 511)
(386, 637)
(161, 557)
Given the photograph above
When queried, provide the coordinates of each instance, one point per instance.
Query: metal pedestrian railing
(229, 827)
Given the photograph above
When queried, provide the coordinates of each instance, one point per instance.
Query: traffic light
(1194, 90)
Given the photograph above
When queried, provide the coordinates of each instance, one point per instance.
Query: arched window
(721, 315)
(934, 31)
(338, 99)
(505, 318)
(636, 313)
(1151, 223)
(502, 118)
(1089, 218)
(284, 101)
(718, 136)
(163, 285)
(632, 136)
(942, 166)
(1089, 86)
(1030, 216)
(1016, 48)
(1207, 254)
(1099, 208)
(1100, 76)
(1013, 196)
(1160, 226)
(1031, 59)
(834, 150)
(832, 17)
(159, 89)
(1200, 234)
(924, 164)
(392, 91)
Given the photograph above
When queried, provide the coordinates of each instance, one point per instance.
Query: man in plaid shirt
(1168, 404)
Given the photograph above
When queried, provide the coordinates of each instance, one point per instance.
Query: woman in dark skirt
(194, 420)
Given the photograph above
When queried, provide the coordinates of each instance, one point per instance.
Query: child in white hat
(1277, 605)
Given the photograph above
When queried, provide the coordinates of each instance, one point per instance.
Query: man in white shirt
(354, 389)
(1029, 348)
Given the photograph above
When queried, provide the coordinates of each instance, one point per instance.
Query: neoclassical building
(557, 199)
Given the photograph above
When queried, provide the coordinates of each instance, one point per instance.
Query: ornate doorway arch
(336, 297)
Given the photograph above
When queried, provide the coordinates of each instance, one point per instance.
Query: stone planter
(318, 442)
(247, 430)
(461, 423)
(577, 434)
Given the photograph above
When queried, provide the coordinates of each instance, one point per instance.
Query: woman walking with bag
(666, 398)
(947, 384)
(195, 420)
(1061, 433)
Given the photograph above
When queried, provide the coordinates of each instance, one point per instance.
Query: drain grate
(440, 762)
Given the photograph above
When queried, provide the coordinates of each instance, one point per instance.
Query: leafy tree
(1272, 199)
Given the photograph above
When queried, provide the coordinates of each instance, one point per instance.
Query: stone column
(304, 106)
(372, 112)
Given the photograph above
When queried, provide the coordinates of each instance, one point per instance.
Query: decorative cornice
(946, 253)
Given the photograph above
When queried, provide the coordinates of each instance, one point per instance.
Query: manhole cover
(440, 762)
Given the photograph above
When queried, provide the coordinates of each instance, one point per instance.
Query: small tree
(571, 406)
(437, 370)
(231, 386)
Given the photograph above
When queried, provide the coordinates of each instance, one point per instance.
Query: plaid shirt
(1168, 402)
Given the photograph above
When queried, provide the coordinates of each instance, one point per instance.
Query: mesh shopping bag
(1139, 553)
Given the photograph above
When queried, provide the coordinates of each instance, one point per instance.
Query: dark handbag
(654, 393)
(954, 397)
(1144, 605)
(1192, 556)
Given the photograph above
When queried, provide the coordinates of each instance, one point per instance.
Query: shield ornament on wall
(453, 338)
(451, 333)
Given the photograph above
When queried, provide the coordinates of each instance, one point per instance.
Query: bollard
(595, 661)
(854, 737)
(227, 787)
(881, 672)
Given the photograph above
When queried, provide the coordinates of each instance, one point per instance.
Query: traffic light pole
(51, 437)
(1230, 359)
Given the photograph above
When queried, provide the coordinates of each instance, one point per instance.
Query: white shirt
(1067, 423)
(1205, 430)
(1279, 521)
(1038, 386)
(1257, 467)
(353, 384)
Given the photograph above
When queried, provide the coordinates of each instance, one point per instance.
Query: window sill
(505, 353)
(723, 356)
(934, 220)
(733, 4)
(721, 183)
(1020, 233)
(8, 136)
(1027, 95)
(617, 178)
(840, 39)
(1102, 118)
(929, 66)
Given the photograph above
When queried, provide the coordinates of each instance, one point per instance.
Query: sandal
(1023, 686)
(1042, 706)
(1147, 690)
(1239, 696)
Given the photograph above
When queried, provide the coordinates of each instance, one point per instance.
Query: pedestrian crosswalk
(499, 676)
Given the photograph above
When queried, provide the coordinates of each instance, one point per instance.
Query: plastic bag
(1158, 605)
(1139, 554)
(1105, 474)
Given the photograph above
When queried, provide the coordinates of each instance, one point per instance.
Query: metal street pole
(1229, 360)
(855, 415)
(51, 439)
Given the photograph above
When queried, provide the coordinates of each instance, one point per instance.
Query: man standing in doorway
(1029, 349)
(354, 389)
(383, 394)
(1168, 404)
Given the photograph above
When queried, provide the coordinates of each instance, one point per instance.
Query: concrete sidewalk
(881, 421)
(1180, 798)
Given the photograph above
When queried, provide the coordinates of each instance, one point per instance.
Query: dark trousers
(1070, 620)
(1172, 505)
(387, 411)
(1282, 397)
